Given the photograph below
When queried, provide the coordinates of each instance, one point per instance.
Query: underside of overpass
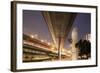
(59, 25)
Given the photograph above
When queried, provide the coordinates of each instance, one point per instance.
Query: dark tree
(84, 47)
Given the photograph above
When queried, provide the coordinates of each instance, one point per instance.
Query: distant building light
(79, 57)
(84, 56)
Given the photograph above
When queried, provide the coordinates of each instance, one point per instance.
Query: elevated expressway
(34, 50)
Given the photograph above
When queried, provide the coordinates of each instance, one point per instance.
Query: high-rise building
(88, 37)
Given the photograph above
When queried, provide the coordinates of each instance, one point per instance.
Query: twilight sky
(33, 23)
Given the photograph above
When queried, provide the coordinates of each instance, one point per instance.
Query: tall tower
(74, 41)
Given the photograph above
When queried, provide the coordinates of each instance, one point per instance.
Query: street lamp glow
(32, 36)
(48, 43)
(69, 51)
(52, 48)
(63, 50)
(42, 40)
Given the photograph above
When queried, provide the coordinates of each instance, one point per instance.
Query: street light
(48, 43)
(42, 40)
(52, 48)
(32, 36)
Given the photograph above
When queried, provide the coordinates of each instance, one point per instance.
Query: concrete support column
(74, 41)
(74, 52)
(60, 47)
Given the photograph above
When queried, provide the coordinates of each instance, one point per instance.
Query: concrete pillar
(74, 41)
(60, 46)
